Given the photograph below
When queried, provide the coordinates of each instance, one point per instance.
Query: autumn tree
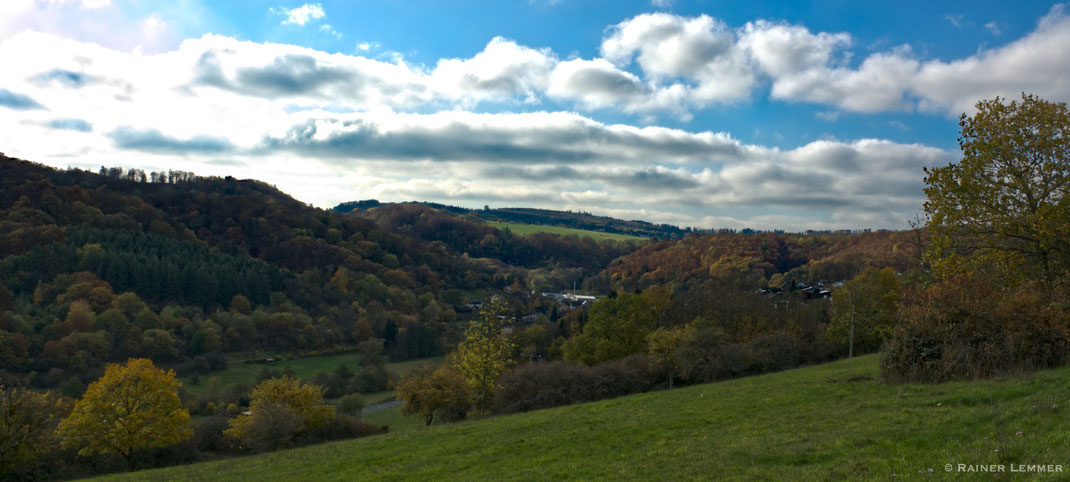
(280, 408)
(131, 407)
(428, 392)
(1007, 202)
(663, 346)
(28, 423)
(485, 353)
(863, 310)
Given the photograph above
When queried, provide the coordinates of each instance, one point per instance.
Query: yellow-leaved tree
(131, 407)
(280, 408)
(428, 391)
(485, 353)
(1006, 204)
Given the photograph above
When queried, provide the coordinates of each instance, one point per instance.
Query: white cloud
(502, 71)
(700, 51)
(250, 128)
(400, 130)
(329, 30)
(1038, 63)
(300, 15)
(994, 28)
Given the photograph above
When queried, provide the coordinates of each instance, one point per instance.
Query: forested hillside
(101, 266)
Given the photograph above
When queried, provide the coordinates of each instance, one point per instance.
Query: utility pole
(851, 343)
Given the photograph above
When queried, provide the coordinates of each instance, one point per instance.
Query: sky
(709, 114)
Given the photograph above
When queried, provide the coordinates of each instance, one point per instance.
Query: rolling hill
(833, 421)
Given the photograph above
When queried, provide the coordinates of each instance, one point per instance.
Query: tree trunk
(430, 417)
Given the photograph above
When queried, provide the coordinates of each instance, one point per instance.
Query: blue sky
(711, 114)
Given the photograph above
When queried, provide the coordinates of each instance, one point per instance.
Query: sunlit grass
(525, 229)
(834, 421)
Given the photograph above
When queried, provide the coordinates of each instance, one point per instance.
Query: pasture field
(525, 229)
(828, 422)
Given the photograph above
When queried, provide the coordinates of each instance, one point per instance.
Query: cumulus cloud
(279, 71)
(152, 140)
(503, 70)
(1038, 63)
(359, 126)
(456, 154)
(596, 83)
(700, 51)
(542, 137)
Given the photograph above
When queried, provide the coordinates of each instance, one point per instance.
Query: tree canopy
(131, 407)
(485, 353)
(1008, 200)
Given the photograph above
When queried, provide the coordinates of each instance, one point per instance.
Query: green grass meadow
(525, 229)
(828, 422)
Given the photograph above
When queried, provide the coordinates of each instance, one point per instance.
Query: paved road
(381, 406)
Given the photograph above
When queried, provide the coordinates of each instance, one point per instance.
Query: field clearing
(303, 368)
(525, 229)
(833, 421)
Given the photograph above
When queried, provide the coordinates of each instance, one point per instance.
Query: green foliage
(618, 327)
(485, 353)
(1008, 201)
(663, 346)
(28, 422)
(351, 404)
(442, 391)
(863, 310)
(131, 407)
(968, 327)
(1000, 222)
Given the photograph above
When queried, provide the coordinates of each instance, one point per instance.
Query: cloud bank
(490, 128)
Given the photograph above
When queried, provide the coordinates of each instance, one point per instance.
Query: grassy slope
(811, 423)
(525, 229)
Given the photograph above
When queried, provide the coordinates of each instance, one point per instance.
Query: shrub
(340, 427)
(968, 327)
(351, 404)
(538, 385)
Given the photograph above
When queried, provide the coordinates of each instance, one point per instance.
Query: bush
(340, 427)
(351, 404)
(208, 434)
(967, 327)
(539, 385)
